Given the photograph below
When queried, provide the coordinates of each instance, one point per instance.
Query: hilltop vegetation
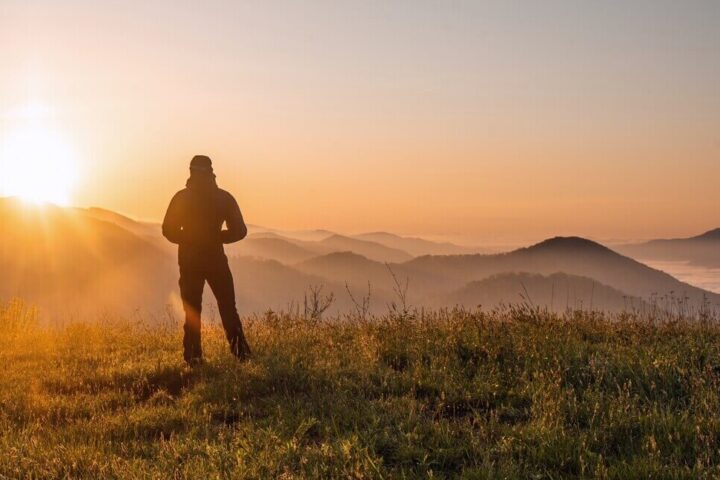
(511, 394)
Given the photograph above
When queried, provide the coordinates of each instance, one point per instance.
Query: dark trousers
(192, 283)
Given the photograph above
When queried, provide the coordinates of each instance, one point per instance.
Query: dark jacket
(195, 218)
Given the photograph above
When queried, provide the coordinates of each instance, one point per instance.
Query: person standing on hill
(194, 220)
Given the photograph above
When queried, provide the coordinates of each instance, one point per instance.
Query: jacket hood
(201, 181)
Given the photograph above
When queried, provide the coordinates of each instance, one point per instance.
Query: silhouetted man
(194, 220)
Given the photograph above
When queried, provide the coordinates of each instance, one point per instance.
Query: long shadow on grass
(141, 383)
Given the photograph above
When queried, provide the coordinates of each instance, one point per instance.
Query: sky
(483, 122)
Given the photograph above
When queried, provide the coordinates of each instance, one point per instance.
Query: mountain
(288, 250)
(701, 250)
(151, 232)
(490, 280)
(347, 267)
(78, 262)
(415, 246)
(558, 292)
(302, 235)
(570, 255)
(65, 260)
(143, 229)
(357, 270)
(304, 249)
(274, 246)
(71, 264)
(309, 235)
(372, 250)
(280, 249)
(712, 236)
(267, 284)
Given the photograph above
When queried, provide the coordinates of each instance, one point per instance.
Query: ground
(512, 394)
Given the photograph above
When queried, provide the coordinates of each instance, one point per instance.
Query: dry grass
(519, 394)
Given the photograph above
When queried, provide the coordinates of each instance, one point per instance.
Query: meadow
(515, 393)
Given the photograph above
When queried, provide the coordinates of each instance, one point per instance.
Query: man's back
(195, 218)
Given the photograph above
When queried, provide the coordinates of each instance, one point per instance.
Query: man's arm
(236, 228)
(172, 224)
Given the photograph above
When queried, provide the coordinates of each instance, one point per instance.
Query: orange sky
(483, 122)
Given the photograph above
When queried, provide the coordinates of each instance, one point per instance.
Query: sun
(36, 163)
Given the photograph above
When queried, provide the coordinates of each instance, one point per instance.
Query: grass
(514, 394)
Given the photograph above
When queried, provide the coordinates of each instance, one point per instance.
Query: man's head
(201, 164)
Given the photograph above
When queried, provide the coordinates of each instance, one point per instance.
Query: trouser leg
(222, 285)
(191, 290)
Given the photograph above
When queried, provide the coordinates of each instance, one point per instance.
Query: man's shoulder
(180, 194)
(225, 195)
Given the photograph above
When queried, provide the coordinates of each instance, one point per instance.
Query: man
(194, 220)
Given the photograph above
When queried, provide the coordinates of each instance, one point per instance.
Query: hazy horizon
(500, 245)
(478, 122)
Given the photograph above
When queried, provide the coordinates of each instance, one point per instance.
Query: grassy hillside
(450, 394)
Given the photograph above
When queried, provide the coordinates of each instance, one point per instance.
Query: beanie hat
(201, 163)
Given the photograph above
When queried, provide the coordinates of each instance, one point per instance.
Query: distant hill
(358, 271)
(415, 246)
(66, 260)
(702, 250)
(558, 292)
(310, 235)
(279, 249)
(143, 229)
(372, 250)
(268, 284)
(295, 246)
(275, 246)
(712, 236)
(302, 235)
(73, 265)
(570, 255)
(151, 232)
(347, 267)
(75, 261)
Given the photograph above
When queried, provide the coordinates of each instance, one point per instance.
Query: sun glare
(36, 163)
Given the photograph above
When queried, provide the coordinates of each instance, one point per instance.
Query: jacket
(194, 220)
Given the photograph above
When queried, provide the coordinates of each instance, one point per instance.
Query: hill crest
(574, 244)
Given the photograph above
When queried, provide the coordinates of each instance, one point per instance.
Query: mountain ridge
(701, 250)
(558, 292)
(64, 256)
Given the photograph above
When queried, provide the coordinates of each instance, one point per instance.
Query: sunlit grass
(519, 394)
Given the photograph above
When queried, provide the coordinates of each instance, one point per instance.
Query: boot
(239, 346)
